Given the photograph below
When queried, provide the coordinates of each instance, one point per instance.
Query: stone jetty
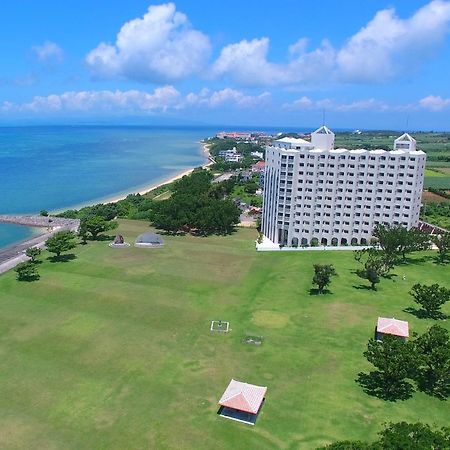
(42, 221)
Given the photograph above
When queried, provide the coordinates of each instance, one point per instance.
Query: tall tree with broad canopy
(430, 298)
(94, 225)
(397, 240)
(434, 367)
(395, 361)
(376, 264)
(60, 242)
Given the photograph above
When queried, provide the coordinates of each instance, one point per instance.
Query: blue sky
(371, 64)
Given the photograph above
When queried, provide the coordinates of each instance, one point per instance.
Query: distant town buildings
(231, 155)
(253, 136)
(318, 195)
(233, 135)
(257, 155)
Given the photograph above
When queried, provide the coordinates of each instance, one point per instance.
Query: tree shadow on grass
(441, 262)
(373, 384)
(363, 287)
(103, 237)
(408, 260)
(422, 314)
(171, 233)
(62, 258)
(315, 291)
(429, 386)
(390, 276)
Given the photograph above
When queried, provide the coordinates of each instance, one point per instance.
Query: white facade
(315, 194)
(231, 155)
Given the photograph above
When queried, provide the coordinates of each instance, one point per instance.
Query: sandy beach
(152, 187)
(144, 189)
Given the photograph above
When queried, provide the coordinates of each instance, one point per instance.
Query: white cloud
(48, 52)
(227, 96)
(386, 47)
(371, 104)
(161, 46)
(246, 63)
(301, 103)
(434, 103)
(161, 99)
(133, 101)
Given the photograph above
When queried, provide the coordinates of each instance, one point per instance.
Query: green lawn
(434, 173)
(113, 350)
(437, 182)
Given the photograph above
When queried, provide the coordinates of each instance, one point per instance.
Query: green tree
(83, 234)
(395, 361)
(94, 225)
(251, 187)
(322, 275)
(27, 271)
(434, 370)
(400, 436)
(61, 241)
(196, 206)
(430, 298)
(413, 436)
(376, 264)
(396, 240)
(442, 242)
(33, 253)
(43, 213)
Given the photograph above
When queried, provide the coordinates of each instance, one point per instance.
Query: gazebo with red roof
(242, 401)
(393, 327)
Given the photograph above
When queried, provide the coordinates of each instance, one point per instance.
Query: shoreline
(145, 189)
(13, 254)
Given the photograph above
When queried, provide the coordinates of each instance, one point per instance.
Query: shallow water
(10, 233)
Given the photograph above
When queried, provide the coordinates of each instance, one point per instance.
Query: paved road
(11, 256)
(15, 254)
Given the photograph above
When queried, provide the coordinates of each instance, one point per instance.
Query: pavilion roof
(393, 326)
(243, 396)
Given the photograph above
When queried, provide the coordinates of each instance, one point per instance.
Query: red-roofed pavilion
(393, 327)
(242, 401)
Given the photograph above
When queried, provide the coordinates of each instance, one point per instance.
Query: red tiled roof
(260, 165)
(393, 326)
(243, 396)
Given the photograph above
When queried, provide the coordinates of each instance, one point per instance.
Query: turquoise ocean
(59, 167)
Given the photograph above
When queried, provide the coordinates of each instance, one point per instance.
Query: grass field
(112, 350)
(434, 173)
(437, 182)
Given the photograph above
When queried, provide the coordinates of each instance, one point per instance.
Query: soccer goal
(220, 325)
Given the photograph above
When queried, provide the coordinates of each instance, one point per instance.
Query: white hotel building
(315, 194)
